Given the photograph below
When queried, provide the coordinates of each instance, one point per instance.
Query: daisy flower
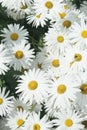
(14, 33)
(4, 59)
(16, 15)
(62, 91)
(19, 104)
(69, 119)
(34, 122)
(76, 59)
(16, 120)
(47, 6)
(21, 55)
(82, 95)
(58, 39)
(5, 101)
(33, 86)
(37, 19)
(78, 34)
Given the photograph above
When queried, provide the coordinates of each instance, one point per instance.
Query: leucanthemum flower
(78, 34)
(5, 101)
(16, 120)
(37, 19)
(62, 91)
(69, 119)
(21, 55)
(4, 59)
(58, 39)
(47, 6)
(82, 95)
(76, 59)
(16, 15)
(14, 33)
(35, 123)
(33, 86)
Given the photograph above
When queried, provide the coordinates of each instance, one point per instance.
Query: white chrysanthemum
(19, 104)
(4, 59)
(21, 55)
(76, 59)
(5, 101)
(69, 119)
(14, 33)
(35, 123)
(58, 39)
(62, 91)
(82, 95)
(16, 120)
(33, 86)
(37, 19)
(78, 34)
(16, 15)
(47, 6)
(13, 4)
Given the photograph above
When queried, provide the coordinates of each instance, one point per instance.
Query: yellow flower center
(62, 15)
(61, 89)
(84, 33)
(49, 4)
(1, 101)
(67, 23)
(68, 122)
(60, 39)
(83, 88)
(24, 6)
(20, 122)
(14, 36)
(78, 57)
(66, 7)
(36, 127)
(38, 16)
(32, 85)
(19, 54)
(20, 108)
(40, 65)
(56, 63)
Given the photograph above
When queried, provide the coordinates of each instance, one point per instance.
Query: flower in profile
(33, 86)
(14, 33)
(4, 59)
(5, 101)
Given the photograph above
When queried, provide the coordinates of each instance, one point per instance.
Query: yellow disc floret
(56, 63)
(36, 127)
(83, 88)
(14, 36)
(1, 101)
(19, 54)
(60, 39)
(68, 122)
(32, 85)
(20, 122)
(78, 57)
(84, 33)
(67, 23)
(61, 89)
(49, 4)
